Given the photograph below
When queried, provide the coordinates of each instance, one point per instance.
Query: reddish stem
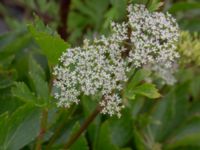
(63, 13)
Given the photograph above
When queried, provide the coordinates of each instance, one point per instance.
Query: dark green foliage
(28, 51)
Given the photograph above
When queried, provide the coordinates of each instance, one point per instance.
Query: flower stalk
(44, 119)
(84, 126)
(42, 129)
(58, 131)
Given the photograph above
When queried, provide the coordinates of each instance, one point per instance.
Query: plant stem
(84, 126)
(63, 14)
(58, 130)
(44, 119)
(42, 129)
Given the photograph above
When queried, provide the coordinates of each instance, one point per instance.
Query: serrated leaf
(38, 82)
(16, 42)
(35, 68)
(136, 79)
(92, 9)
(52, 46)
(8, 102)
(147, 89)
(22, 92)
(40, 86)
(116, 12)
(22, 127)
(7, 78)
(139, 76)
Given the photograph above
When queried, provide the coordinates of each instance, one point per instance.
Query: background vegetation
(34, 33)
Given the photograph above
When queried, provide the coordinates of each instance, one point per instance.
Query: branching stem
(84, 126)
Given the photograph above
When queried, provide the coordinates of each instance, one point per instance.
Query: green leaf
(81, 143)
(3, 128)
(147, 89)
(138, 140)
(40, 87)
(169, 112)
(36, 68)
(89, 103)
(22, 128)
(104, 139)
(139, 76)
(127, 148)
(38, 81)
(155, 5)
(186, 135)
(16, 43)
(22, 92)
(195, 108)
(184, 6)
(8, 102)
(52, 46)
(116, 12)
(121, 126)
(136, 79)
(135, 106)
(195, 87)
(191, 24)
(92, 9)
(7, 78)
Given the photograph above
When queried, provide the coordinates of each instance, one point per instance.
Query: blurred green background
(29, 29)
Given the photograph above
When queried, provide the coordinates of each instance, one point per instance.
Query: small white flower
(154, 35)
(100, 67)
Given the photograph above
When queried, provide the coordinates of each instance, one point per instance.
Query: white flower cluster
(112, 105)
(99, 67)
(94, 68)
(154, 35)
